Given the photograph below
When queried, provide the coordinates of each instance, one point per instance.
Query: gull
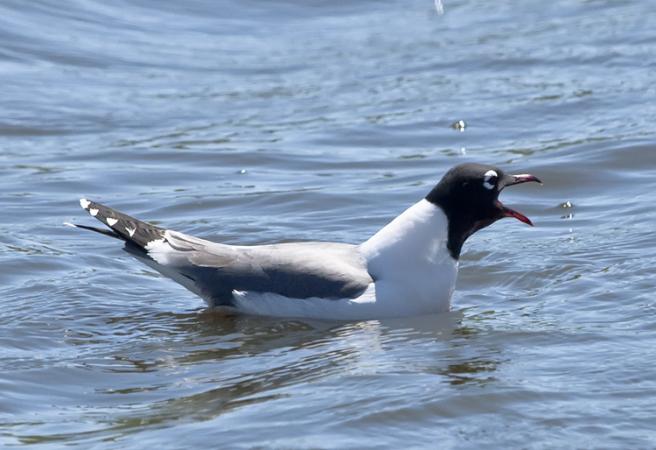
(408, 268)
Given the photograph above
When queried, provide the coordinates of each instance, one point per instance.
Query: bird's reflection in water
(215, 363)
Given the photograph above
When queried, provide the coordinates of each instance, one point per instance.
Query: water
(266, 121)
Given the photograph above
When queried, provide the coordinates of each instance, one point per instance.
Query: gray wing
(214, 271)
(296, 270)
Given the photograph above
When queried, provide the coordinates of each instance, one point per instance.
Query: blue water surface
(258, 121)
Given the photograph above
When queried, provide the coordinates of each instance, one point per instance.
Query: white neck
(418, 237)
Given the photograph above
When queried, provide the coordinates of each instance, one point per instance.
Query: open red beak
(507, 212)
(510, 180)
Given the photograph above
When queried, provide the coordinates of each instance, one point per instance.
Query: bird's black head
(469, 196)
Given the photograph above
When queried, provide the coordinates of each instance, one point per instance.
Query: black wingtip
(109, 233)
(126, 227)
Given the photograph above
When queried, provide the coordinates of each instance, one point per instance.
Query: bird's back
(296, 270)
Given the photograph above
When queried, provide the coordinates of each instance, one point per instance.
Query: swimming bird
(407, 268)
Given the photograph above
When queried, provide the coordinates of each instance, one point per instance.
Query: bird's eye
(490, 179)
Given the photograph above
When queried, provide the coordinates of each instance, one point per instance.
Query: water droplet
(439, 7)
(459, 125)
(242, 172)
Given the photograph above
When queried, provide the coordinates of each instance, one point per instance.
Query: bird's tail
(121, 225)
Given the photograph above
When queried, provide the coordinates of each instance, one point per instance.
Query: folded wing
(215, 271)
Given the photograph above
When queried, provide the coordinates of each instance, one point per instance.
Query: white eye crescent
(490, 179)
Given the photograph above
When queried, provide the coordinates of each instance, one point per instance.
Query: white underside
(364, 307)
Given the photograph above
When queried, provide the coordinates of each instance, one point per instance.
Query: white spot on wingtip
(84, 203)
(130, 231)
(93, 212)
(111, 221)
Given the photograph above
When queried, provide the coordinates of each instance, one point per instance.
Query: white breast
(410, 263)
